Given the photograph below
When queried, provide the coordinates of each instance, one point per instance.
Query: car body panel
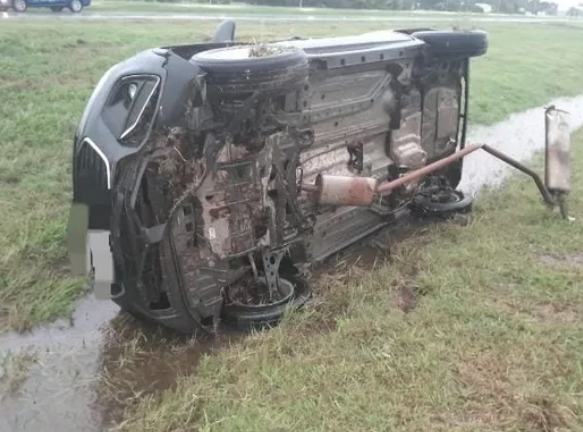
(373, 104)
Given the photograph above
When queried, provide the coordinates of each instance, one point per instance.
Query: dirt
(565, 261)
(544, 415)
(250, 292)
(553, 313)
(87, 374)
(407, 296)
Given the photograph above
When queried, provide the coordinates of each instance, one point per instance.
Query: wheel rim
(288, 292)
(76, 5)
(19, 5)
(446, 197)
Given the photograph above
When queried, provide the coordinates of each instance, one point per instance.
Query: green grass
(239, 8)
(14, 371)
(492, 338)
(46, 78)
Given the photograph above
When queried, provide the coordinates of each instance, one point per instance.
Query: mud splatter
(565, 261)
(407, 296)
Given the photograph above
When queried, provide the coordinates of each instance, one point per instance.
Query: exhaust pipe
(363, 191)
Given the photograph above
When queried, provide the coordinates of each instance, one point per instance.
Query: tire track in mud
(86, 374)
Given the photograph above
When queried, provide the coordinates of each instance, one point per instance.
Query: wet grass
(46, 78)
(234, 8)
(468, 327)
(14, 370)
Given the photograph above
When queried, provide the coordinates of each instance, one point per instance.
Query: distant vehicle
(75, 6)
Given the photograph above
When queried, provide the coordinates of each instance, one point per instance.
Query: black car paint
(175, 74)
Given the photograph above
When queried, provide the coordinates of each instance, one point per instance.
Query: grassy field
(237, 8)
(468, 328)
(492, 339)
(46, 78)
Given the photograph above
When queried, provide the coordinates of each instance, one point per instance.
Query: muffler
(363, 191)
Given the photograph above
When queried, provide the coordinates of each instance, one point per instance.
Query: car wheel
(265, 315)
(463, 44)
(75, 6)
(443, 204)
(56, 9)
(246, 69)
(19, 5)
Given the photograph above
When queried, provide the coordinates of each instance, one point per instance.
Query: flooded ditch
(84, 375)
(520, 136)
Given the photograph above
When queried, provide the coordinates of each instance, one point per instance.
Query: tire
(56, 9)
(460, 203)
(457, 44)
(258, 317)
(19, 6)
(230, 71)
(75, 6)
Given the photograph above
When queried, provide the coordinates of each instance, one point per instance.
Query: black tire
(56, 9)
(455, 44)
(19, 6)
(279, 72)
(75, 6)
(458, 203)
(258, 317)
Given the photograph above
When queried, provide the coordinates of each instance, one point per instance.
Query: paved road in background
(279, 17)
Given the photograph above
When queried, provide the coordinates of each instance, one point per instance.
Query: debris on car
(219, 172)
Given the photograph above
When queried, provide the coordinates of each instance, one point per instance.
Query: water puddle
(84, 376)
(519, 137)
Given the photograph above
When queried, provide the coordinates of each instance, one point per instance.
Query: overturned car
(215, 174)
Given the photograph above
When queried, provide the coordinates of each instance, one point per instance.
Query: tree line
(496, 6)
(502, 6)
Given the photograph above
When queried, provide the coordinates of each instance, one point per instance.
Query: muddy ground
(80, 375)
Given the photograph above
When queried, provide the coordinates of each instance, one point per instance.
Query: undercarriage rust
(273, 161)
(231, 176)
(224, 170)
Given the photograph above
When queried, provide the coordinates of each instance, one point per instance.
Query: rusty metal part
(359, 191)
(548, 198)
(342, 190)
(557, 149)
(387, 188)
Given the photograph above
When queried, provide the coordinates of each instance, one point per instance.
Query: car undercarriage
(222, 171)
